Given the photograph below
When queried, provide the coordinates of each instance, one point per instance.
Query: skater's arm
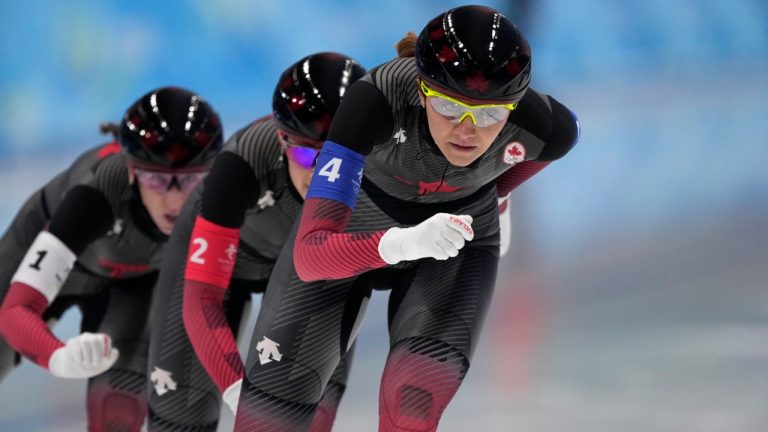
(229, 191)
(83, 216)
(210, 334)
(322, 249)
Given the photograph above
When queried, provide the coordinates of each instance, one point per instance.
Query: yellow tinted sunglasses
(456, 110)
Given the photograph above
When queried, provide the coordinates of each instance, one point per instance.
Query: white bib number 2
(197, 255)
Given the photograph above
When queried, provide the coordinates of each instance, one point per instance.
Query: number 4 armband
(212, 253)
(46, 265)
(338, 174)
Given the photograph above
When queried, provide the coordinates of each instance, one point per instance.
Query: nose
(174, 200)
(465, 127)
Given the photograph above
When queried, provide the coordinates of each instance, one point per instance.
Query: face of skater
(473, 68)
(455, 131)
(170, 137)
(164, 193)
(304, 101)
(301, 155)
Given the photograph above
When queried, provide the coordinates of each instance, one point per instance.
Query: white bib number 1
(46, 265)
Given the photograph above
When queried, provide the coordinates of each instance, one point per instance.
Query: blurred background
(635, 294)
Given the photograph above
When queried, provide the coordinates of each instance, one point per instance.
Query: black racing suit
(436, 308)
(248, 187)
(94, 210)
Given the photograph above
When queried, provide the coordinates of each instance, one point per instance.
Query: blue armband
(337, 175)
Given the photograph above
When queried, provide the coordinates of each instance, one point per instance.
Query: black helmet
(171, 127)
(309, 92)
(475, 51)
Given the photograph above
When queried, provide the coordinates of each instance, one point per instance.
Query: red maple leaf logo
(515, 152)
(202, 138)
(150, 138)
(323, 123)
(447, 54)
(477, 82)
(286, 83)
(295, 103)
(437, 33)
(513, 67)
(177, 152)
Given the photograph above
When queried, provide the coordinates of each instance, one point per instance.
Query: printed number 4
(196, 256)
(331, 169)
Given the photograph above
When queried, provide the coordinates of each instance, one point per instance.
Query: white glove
(505, 225)
(83, 356)
(439, 237)
(231, 395)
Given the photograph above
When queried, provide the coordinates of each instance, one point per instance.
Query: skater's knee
(187, 407)
(116, 410)
(420, 378)
(117, 401)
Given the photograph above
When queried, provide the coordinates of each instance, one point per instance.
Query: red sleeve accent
(516, 175)
(22, 325)
(323, 251)
(209, 332)
(212, 253)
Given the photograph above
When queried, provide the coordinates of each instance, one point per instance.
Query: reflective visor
(456, 110)
(161, 182)
(300, 150)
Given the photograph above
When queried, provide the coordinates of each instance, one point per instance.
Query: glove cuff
(389, 246)
(503, 203)
(57, 363)
(231, 395)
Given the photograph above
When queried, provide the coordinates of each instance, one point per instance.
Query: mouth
(171, 219)
(462, 148)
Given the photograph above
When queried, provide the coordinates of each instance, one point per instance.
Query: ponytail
(110, 128)
(407, 45)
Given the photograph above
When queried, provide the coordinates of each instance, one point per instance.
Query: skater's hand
(231, 395)
(439, 237)
(83, 356)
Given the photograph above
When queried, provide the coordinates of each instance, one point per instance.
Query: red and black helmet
(309, 92)
(171, 128)
(475, 51)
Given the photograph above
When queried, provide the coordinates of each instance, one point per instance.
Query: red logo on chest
(118, 270)
(426, 188)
